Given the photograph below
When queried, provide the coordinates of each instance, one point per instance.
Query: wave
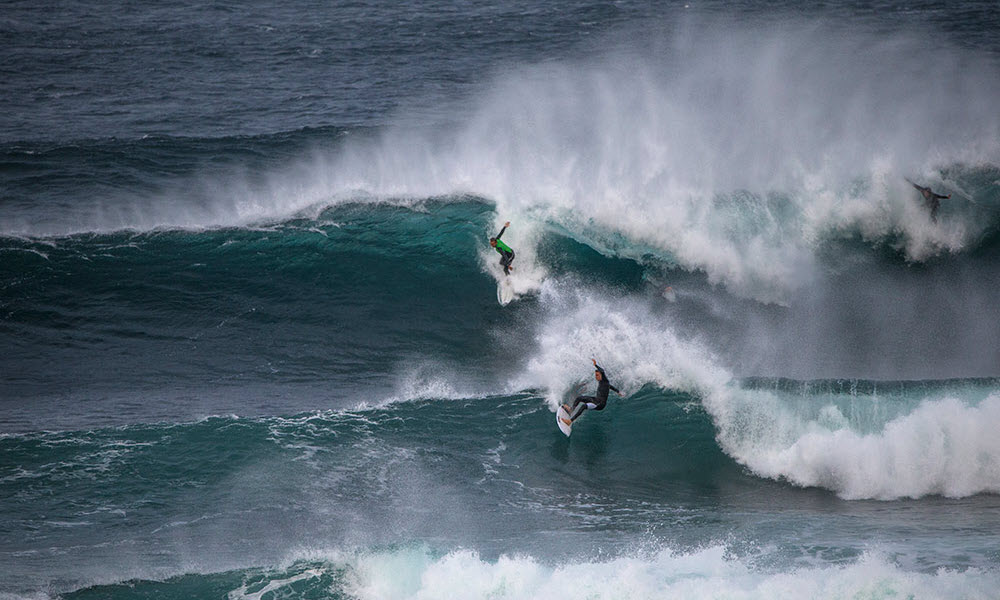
(849, 445)
(331, 308)
(420, 573)
(892, 441)
(688, 150)
(369, 293)
(866, 440)
(477, 473)
(161, 182)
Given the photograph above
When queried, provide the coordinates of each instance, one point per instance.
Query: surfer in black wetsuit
(597, 402)
(932, 199)
(506, 254)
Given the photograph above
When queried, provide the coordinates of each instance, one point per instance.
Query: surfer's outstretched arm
(505, 226)
(604, 375)
(599, 369)
(928, 192)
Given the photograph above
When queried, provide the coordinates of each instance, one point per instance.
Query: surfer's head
(493, 242)
(597, 375)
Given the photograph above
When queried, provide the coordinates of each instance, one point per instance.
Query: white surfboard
(505, 291)
(563, 427)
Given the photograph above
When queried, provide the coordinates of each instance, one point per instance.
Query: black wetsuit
(597, 402)
(506, 254)
(933, 200)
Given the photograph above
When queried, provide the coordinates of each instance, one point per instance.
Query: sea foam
(944, 446)
(707, 573)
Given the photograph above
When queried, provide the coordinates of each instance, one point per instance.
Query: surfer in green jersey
(506, 254)
(932, 199)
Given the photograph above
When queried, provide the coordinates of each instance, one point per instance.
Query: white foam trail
(632, 344)
(428, 381)
(703, 574)
(273, 585)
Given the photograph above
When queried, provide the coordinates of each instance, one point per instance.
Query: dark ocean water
(250, 342)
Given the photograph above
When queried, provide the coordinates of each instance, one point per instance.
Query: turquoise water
(250, 343)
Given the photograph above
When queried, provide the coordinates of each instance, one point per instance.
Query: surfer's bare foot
(565, 407)
(566, 421)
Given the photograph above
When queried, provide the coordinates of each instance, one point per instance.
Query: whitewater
(250, 343)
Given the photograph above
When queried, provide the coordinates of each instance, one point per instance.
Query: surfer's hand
(507, 224)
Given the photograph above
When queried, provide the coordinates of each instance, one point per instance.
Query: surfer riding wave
(506, 254)
(596, 402)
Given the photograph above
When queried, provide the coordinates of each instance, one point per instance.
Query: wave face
(250, 341)
(359, 301)
(352, 295)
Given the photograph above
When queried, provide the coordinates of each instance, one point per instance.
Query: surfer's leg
(505, 261)
(581, 404)
(583, 407)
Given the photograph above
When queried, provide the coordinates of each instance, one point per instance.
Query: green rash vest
(502, 247)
